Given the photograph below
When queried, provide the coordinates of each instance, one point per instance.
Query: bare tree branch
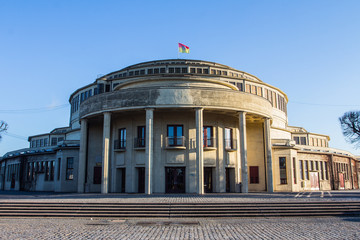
(3, 127)
(350, 125)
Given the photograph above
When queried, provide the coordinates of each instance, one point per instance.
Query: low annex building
(178, 126)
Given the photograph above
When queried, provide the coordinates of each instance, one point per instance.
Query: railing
(230, 144)
(209, 142)
(119, 144)
(175, 141)
(139, 142)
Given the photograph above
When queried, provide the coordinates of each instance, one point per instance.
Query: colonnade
(149, 152)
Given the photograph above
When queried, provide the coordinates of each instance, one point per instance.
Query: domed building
(189, 126)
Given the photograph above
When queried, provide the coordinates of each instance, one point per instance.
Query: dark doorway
(208, 188)
(13, 180)
(175, 180)
(97, 175)
(230, 179)
(141, 180)
(120, 180)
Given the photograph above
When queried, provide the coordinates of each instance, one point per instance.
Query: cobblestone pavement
(259, 228)
(348, 195)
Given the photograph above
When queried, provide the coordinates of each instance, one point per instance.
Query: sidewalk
(340, 196)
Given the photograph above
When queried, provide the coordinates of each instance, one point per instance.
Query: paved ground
(219, 228)
(263, 228)
(348, 195)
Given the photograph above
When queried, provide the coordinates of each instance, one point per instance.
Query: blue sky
(48, 49)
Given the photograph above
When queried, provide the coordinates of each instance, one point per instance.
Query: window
(192, 70)
(177, 70)
(311, 165)
(140, 140)
(70, 168)
(229, 138)
(184, 70)
(121, 144)
(53, 141)
(162, 70)
(52, 170)
(297, 140)
(208, 136)
(301, 169)
(47, 171)
(294, 169)
(206, 71)
(199, 70)
(171, 70)
(282, 165)
(150, 71)
(326, 171)
(303, 140)
(59, 168)
(306, 170)
(156, 70)
(175, 135)
(254, 174)
(322, 171)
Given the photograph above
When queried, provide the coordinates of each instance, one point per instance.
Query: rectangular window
(294, 170)
(297, 140)
(45, 142)
(208, 136)
(326, 171)
(183, 70)
(140, 141)
(53, 141)
(303, 140)
(70, 168)
(47, 171)
(240, 86)
(177, 70)
(122, 139)
(156, 70)
(301, 169)
(229, 138)
(59, 169)
(322, 171)
(306, 170)
(206, 71)
(311, 165)
(175, 135)
(317, 165)
(171, 70)
(52, 170)
(282, 165)
(254, 174)
(150, 71)
(162, 70)
(199, 70)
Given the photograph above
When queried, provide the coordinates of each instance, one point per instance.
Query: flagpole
(178, 51)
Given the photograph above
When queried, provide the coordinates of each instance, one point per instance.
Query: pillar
(82, 155)
(199, 150)
(243, 153)
(149, 149)
(268, 153)
(106, 153)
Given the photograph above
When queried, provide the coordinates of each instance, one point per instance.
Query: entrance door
(175, 180)
(12, 180)
(208, 180)
(230, 179)
(341, 181)
(314, 180)
(120, 180)
(141, 180)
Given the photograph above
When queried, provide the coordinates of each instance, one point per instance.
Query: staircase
(178, 210)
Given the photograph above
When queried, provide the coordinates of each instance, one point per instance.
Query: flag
(183, 48)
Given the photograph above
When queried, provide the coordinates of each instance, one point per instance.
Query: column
(268, 153)
(149, 149)
(243, 153)
(106, 153)
(199, 150)
(82, 155)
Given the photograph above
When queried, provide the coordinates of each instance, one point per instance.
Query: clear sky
(48, 49)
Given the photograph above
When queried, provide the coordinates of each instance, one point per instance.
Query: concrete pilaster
(149, 150)
(82, 155)
(269, 166)
(199, 150)
(106, 153)
(243, 153)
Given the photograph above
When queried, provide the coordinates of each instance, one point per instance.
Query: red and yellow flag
(183, 48)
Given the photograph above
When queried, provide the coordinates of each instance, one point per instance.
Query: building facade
(182, 126)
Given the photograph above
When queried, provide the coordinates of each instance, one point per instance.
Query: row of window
(317, 142)
(342, 168)
(308, 165)
(175, 137)
(13, 172)
(43, 142)
(47, 167)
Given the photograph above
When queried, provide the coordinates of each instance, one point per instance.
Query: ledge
(120, 150)
(230, 149)
(139, 148)
(209, 148)
(175, 148)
